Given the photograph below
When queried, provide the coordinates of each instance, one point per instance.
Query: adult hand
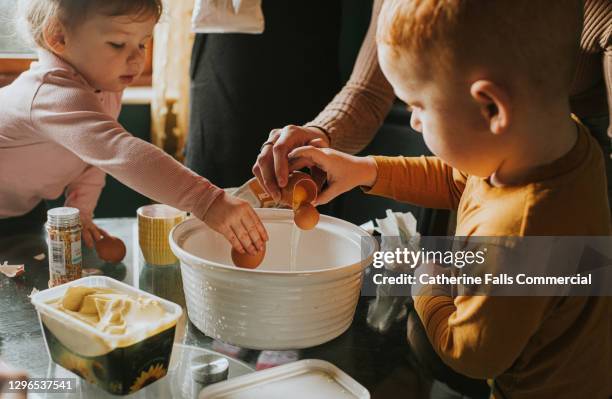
(272, 166)
(236, 220)
(344, 171)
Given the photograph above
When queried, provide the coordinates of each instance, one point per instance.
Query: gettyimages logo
(495, 266)
(412, 259)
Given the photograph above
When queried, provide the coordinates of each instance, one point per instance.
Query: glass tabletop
(178, 383)
(380, 362)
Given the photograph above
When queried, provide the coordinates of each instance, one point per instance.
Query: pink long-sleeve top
(60, 135)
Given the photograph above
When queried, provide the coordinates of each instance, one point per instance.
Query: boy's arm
(481, 336)
(83, 193)
(353, 117)
(67, 113)
(424, 181)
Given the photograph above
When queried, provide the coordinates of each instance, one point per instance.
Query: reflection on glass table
(178, 383)
(380, 362)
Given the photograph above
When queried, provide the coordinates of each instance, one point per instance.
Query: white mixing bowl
(274, 306)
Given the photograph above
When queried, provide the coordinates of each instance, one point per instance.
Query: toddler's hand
(91, 233)
(236, 220)
(344, 171)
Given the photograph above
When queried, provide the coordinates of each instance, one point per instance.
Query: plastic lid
(63, 217)
(304, 379)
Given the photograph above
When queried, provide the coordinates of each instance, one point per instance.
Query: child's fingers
(316, 156)
(331, 192)
(230, 236)
(87, 237)
(319, 143)
(299, 163)
(96, 234)
(243, 236)
(102, 233)
(256, 221)
(256, 239)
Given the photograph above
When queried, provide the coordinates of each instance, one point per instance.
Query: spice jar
(64, 230)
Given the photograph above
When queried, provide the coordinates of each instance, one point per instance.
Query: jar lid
(209, 369)
(63, 217)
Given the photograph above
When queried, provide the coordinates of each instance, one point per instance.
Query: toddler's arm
(425, 181)
(78, 123)
(344, 171)
(481, 336)
(83, 193)
(65, 112)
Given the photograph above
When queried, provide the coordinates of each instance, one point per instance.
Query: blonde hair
(534, 39)
(35, 16)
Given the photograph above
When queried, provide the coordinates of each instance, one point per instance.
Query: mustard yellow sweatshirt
(532, 347)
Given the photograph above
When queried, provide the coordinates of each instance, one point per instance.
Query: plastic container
(277, 306)
(304, 379)
(119, 364)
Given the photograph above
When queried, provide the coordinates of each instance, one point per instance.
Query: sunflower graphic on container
(149, 376)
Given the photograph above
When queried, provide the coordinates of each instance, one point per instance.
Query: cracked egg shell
(306, 217)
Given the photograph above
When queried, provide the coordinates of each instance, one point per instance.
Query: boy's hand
(344, 171)
(91, 233)
(271, 168)
(236, 220)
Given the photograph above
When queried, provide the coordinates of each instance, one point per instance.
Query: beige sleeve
(607, 69)
(353, 117)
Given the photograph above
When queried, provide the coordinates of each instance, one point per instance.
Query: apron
(245, 85)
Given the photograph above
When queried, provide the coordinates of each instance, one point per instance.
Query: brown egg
(246, 260)
(300, 188)
(300, 195)
(306, 217)
(110, 249)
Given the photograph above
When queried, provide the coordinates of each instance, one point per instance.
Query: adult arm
(353, 117)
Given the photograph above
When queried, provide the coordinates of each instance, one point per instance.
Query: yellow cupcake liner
(153, 239)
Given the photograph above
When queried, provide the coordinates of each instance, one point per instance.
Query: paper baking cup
(154, 225)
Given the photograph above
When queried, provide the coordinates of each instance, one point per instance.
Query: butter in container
(107, 332)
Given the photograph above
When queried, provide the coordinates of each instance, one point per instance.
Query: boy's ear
(494, 104)
(55, 37)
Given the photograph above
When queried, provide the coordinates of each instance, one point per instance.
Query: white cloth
(228, 16)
